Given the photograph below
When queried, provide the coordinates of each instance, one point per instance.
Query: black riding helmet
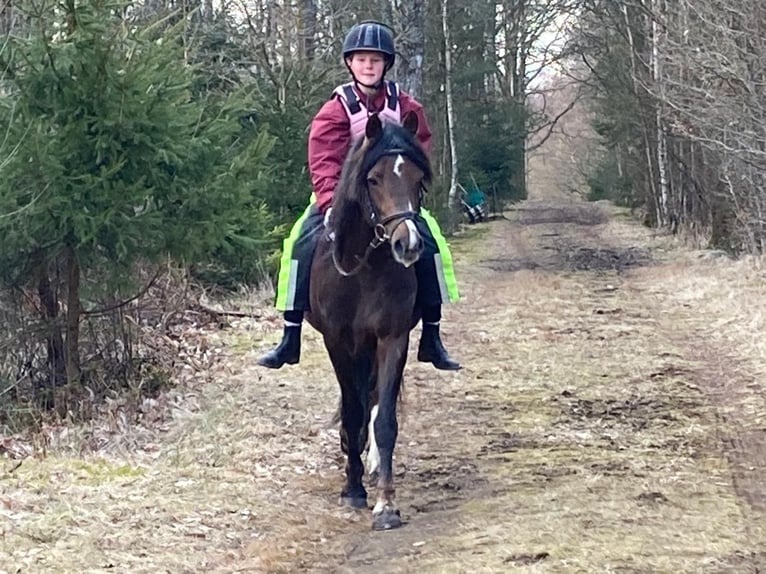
(371, 36)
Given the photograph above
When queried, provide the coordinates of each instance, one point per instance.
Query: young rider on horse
(368, 52)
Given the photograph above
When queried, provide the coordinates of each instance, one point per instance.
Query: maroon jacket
(330, 139)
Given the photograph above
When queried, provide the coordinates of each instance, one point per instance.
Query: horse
(363, 298)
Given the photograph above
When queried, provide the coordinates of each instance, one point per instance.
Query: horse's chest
(382, 303)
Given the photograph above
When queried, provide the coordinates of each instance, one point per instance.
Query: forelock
(395, 137)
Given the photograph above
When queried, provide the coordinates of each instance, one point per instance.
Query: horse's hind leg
(368, 431)
(353, 411)
(392, 355)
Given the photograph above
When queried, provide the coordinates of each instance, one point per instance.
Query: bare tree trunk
(308, 29)
(520, 85)
(453, 190)
(6, 18)
(414, 48)
(634, 86)
(662, 200)
(49, 311)
(63, 352)
(510, 29)
(73, 318)
(490, 48)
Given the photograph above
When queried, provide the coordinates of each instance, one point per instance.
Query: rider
(368, 52)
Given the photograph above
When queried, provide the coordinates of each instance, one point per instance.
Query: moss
(103, 470)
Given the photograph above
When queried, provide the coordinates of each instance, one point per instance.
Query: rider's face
(367, 67)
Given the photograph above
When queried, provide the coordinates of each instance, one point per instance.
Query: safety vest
(358, 113)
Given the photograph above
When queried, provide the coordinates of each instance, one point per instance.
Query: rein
(379, 237)
(380, 234)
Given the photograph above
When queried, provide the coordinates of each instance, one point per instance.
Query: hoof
(387, 519)
(358, 501)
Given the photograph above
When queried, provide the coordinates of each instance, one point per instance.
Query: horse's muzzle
(406, 243)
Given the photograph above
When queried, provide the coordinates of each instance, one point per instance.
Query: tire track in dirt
(715, 346)
(721, 378)
(725, 375)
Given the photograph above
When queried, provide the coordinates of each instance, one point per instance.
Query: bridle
(381, 233)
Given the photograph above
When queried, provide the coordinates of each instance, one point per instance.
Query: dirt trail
(611, 417)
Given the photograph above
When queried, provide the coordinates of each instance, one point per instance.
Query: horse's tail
(335, 419)
(364, 378)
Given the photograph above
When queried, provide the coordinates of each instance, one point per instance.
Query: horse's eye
(372, 181)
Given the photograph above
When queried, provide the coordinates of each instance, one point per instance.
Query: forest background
(154, 151)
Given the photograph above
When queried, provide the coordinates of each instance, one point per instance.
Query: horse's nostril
(399, 247)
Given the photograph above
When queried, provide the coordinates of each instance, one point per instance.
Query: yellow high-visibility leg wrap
(288, 268)
(443, 260)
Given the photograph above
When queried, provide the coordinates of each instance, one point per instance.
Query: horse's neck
(356, 239)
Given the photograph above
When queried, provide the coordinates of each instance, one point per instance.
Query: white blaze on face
(373, 455)
(398, 166)
(413, 233)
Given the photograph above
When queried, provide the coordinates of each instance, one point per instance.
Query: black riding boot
(288, 351)
(431, 349)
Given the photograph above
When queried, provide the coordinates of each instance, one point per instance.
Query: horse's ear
(410, 122)
(374, 128)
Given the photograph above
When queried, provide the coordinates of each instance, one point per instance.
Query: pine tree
(108, 158)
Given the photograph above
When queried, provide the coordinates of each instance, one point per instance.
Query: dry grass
(587, 433)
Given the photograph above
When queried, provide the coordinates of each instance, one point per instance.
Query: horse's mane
(349, 203)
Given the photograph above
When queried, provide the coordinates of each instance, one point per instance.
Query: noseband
(380, 234)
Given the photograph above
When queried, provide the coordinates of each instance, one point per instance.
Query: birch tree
(657, 79)
(453, 187)
(697, 69)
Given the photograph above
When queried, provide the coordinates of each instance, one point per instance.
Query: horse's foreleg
(353, 411)
(392, 354)
(352, 417)
(373, 454)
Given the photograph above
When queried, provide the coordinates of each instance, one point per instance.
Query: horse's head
(392, 177)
